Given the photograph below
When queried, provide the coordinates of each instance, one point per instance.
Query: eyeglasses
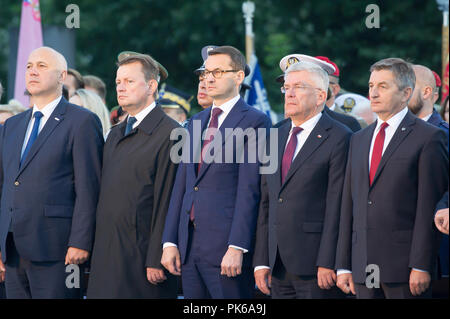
(217, 73)
(297, 88)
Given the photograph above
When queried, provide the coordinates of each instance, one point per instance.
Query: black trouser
(389, 291)
(27, 279)
(289, 286)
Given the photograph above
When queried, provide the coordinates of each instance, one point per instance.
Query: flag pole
(248, 8)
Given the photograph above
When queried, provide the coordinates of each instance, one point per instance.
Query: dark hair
(237, 59)
(149, 67)
(96, 83)
(443, 107)
(403, 71)
(79, 82)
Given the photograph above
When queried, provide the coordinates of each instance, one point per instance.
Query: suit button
(280, 200)
(196, 188)
(16, 183)
(369, 202)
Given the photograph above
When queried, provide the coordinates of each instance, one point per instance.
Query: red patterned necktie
(210, 131)
(289, 153)
(377, 152)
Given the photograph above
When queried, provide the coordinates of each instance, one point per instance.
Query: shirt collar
(309, 124)
(48, 109)
(426, 118)
(227, 106)
(394, 121)
(143, 113)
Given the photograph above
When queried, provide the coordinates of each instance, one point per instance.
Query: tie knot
(38, 115)
(216, 112)
(296, 130)
(131, 120)
(383, 126)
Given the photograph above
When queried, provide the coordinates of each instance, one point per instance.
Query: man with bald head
(50, 164)
(423, 98)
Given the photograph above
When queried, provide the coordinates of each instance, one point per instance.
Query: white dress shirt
(394, 123)
(426, 118)
(142, 114)
(46, 112)
(226, 109)
(307, 127)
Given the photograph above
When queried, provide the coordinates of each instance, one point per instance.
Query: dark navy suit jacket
(389, 223)
(300, 218)
(225, 195)
(51, 198)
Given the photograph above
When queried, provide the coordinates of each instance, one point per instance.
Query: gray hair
(403, 71)
(1, 90)
(316, 71)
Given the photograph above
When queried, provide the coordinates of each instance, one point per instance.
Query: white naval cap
(291, 59)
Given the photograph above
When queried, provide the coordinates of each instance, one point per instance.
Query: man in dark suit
(298, 218)
(422, 100)
(50, 164)
(397, 170)
(137, 179)
(210, 227)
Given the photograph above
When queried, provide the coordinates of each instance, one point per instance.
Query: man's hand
(171, 260)
(326, 278)
(231, 265)
(263, 280)
(419, 282)
(155, 275)
(76, 256)
(2, 269)
(345, 283)
(441, 220)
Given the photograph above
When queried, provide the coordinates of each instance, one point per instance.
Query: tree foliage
(174, 31)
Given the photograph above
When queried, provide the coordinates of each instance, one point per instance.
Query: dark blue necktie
(130, 122)
(34, 133)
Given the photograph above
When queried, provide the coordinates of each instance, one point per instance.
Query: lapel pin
(319, 136)
(56, 118)
(403, 128)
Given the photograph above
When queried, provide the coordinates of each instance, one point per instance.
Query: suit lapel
(366, 141)
(21, 130)
(317, 136)
(283, 134)
(54, 120)
(232, 120)
(400, 134)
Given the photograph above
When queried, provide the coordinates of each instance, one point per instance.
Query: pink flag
(30, 38)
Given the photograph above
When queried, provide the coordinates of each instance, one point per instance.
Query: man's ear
(153, 85)
(62, 76)
(407, 93)
(428, 93)
(240, 76)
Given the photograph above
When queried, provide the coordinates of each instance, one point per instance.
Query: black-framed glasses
(297, 88)
(217, 73)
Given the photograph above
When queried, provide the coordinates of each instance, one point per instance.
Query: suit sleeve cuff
(420, 270)
(239, 248)
(165, 245)
(342, 271)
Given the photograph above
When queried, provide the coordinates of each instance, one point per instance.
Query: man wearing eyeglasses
(210, 226)
(299, 212)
